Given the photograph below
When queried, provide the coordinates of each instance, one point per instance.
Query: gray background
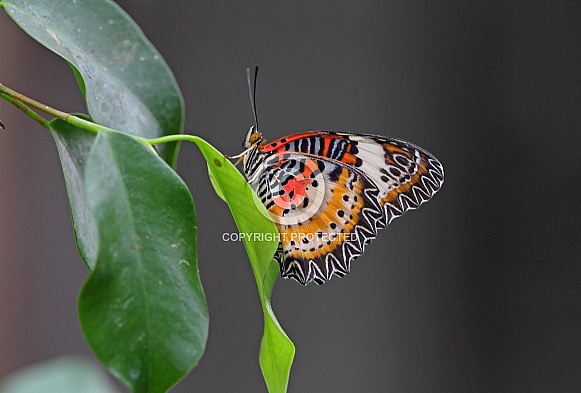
(478, 291)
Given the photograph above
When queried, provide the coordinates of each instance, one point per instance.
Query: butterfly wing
(330, 193)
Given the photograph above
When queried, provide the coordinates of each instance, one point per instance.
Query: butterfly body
(329, 194)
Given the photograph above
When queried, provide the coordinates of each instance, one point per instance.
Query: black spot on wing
(335, 173)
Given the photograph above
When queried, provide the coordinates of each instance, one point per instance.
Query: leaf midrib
(142, 280)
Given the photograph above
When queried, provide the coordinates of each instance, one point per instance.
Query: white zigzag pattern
(375, 218)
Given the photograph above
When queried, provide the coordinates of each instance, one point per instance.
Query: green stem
(170, 138)
(25, 103)
(86, 125)
(32, 114)
(32, 103)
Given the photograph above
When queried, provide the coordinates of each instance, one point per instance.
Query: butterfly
(329, 193)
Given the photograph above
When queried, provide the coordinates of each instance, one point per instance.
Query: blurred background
(477, 291)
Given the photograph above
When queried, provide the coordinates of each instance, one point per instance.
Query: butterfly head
(253, 138)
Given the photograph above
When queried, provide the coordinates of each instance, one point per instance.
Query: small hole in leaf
(217, 162)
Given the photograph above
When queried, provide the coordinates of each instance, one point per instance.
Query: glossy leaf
(261, 240)
(276, 350)
(73, 146)
(142, 309)
(126, 83)
(61, 375)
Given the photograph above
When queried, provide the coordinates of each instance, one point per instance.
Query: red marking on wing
(279, 143)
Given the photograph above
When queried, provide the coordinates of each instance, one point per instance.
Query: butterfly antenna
(252, 92)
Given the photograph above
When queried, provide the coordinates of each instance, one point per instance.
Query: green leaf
(62, 375)
(127, 84)
(142, 310)
(261, 240)
(276, 350)
(73, 146)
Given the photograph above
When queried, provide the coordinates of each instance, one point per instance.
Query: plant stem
(170, 138)
(25, 103)
(32, 114)
(29, 102)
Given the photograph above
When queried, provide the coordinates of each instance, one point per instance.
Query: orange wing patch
(330, 226)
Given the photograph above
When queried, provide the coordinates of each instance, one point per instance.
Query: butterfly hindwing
(330, 223)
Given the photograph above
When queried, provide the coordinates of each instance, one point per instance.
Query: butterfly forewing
(329, 193)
